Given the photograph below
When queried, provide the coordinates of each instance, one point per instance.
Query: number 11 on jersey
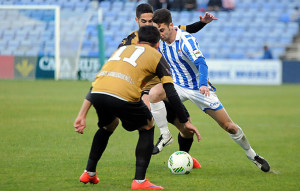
(132, 59)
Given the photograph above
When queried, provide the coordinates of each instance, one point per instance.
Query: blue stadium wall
(231, 72)
(291, 71)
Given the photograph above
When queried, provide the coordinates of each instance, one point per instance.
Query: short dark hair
(149, 34)
(162, 16)
(143, 8)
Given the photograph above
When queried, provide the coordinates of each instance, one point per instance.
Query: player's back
(127, 71)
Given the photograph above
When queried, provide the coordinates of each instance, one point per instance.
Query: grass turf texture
(39, 149)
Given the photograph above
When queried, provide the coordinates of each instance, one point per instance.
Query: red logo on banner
(6, 67)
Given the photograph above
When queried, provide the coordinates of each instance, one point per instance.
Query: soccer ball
(180, 162)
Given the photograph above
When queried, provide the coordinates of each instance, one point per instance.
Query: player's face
(165, 31)
(145, 19)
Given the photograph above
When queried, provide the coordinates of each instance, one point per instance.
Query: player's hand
(204, 90)
(190, 127)
(207, 18)
(79, 125)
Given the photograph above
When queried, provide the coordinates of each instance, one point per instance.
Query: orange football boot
(85, 178)
(196, 164)
(145, 186)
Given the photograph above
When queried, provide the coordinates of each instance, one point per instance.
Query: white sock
(159, 113)
(140, 181)
(241, 139)
(90, 173)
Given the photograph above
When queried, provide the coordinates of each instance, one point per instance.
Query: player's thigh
(136, 116)
(205, 102)
(157, 93)
(220, 116)
(106, 116)
(172, 113)
(183, 93)
(145, 98)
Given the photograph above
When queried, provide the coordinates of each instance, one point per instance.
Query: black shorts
(171, 113)
(133, 115)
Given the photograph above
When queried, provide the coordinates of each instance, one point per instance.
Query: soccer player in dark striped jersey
(116, 95)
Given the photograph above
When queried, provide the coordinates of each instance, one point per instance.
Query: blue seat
(105, 5)
(237, 55)
(93, 54)
(110, 15)
(285, 40)
(284, 17)
(87, 44)
(109, 52)
(32, 52)
(117, 5)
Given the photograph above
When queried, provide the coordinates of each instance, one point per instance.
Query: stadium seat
(117, 6)
(270, 24)
(105, 5)
(237, 55)
(284, 17)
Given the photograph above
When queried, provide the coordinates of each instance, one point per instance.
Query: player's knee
(153, 97)
(112, 126)
(156, 94)
(149, 125)
(186, 134)
(230, 127)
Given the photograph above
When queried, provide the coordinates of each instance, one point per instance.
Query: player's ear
(171, 25)
(137, 20)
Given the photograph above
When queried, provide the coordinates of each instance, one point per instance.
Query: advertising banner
(6, 67)
(258, 72)
(291, 71)
(25, 67)
(45, 67)
(87, 68)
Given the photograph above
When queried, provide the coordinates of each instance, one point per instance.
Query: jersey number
(132, 59)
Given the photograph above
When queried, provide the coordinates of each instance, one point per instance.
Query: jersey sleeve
(192, 28)
(191, 49)
(163, 71)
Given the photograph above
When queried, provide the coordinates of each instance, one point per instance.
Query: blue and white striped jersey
(181, 55)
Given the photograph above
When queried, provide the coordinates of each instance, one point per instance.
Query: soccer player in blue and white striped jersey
(189, 72)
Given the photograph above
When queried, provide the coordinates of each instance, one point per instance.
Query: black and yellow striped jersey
(128, 70)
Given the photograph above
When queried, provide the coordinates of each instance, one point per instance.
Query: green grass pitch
(39, 149)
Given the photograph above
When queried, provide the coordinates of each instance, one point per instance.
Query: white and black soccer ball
(180, 162)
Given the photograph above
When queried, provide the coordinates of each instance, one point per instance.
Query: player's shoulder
(184, 34)
(133, 34)
(132, 38)
(152, 53)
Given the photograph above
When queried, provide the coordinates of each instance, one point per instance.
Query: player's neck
(172, 37)
(147, 43)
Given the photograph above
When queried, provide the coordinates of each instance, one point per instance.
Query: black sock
(143, 153)
(185, 144)
(98, 146)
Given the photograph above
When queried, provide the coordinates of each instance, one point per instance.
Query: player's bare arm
(80, 121)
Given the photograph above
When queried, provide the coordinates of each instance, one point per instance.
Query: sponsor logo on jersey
(197, 53)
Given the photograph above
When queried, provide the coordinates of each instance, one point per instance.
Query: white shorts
(202, 101)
